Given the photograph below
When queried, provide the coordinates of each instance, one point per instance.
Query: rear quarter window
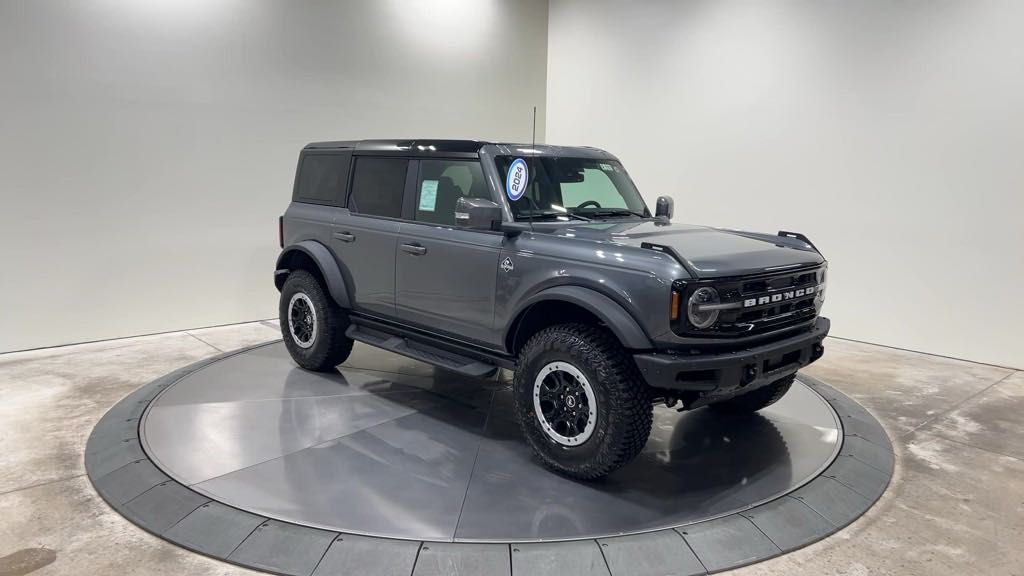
(323, 179)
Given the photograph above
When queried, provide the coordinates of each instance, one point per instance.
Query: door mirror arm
(511, 229)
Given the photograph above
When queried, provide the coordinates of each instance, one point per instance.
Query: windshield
(585, 188)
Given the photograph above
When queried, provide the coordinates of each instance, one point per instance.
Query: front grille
(759, 303)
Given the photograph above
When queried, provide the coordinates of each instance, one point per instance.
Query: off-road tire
(757, 399)
(624, 407)
(330, 346)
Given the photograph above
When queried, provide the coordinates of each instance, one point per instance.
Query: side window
(323, 178)
(378, 186)
(440, 185)
(595, 186)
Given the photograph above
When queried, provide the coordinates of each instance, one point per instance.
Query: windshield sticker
(428, 195)
(518, 178)
(607, 167)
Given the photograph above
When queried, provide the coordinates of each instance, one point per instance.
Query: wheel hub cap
(564, 403)
(302, 321)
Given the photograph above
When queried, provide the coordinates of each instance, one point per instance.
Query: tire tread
(633, 413)
(332, 347)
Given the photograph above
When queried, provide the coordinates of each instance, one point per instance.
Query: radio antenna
(534, 141)
(533, 165)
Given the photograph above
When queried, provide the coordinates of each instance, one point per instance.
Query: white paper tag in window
(428, 195)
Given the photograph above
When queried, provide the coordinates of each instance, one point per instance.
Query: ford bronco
(545, 260)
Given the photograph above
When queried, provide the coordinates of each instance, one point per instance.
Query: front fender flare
(610, 312)
(325, 262)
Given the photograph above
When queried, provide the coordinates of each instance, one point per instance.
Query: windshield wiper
(550, 213)
(617, 212)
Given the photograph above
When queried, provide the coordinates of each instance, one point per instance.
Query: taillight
(280, 230)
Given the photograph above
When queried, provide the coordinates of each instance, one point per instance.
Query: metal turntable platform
(397, 467)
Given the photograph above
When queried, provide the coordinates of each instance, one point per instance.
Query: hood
(706, 252)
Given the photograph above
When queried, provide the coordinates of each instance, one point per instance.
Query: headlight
(819, 295)
(702, 318)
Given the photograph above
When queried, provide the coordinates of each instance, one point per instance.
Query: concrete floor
(956, 504)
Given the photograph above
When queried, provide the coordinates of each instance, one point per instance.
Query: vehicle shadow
(693, 452)
(445, 450)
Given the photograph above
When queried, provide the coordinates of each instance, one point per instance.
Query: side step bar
(423, 352)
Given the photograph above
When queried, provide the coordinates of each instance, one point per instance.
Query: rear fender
(325, 262)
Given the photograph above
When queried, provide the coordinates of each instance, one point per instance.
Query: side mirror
(476, 213)
(664, 207)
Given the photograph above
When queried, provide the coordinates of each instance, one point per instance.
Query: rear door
(445, 276)
(366, 234)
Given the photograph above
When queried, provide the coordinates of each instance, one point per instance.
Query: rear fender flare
(325, 262)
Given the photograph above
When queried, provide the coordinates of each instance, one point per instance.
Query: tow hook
(749, 374)
(817, 351)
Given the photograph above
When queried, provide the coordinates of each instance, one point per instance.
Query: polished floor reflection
(393, 448)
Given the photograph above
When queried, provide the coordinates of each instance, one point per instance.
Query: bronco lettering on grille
(779, 297)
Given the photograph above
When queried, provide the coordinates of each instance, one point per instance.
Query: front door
(445, 276)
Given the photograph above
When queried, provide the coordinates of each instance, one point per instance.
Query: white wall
(890, 132)
(147, 147)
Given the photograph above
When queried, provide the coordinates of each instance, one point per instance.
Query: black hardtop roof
(403, 145)
(440, 146)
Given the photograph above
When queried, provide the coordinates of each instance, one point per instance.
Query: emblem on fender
(506, 265)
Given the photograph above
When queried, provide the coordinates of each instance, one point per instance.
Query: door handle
(345, 236)
(414, 249)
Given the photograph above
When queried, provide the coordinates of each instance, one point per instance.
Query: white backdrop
(891, 133)
(147, 147)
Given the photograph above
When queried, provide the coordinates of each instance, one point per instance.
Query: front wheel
(581, 402)
(312, 325)
(757, 399)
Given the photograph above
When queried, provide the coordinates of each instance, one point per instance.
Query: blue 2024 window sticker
(517, 179)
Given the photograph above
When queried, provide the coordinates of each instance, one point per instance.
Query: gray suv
(545, 260)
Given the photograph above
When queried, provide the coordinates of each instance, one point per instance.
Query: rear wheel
(757, 399)
(581, 403)
(312, 325)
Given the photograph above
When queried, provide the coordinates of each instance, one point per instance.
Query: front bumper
(725, 373)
